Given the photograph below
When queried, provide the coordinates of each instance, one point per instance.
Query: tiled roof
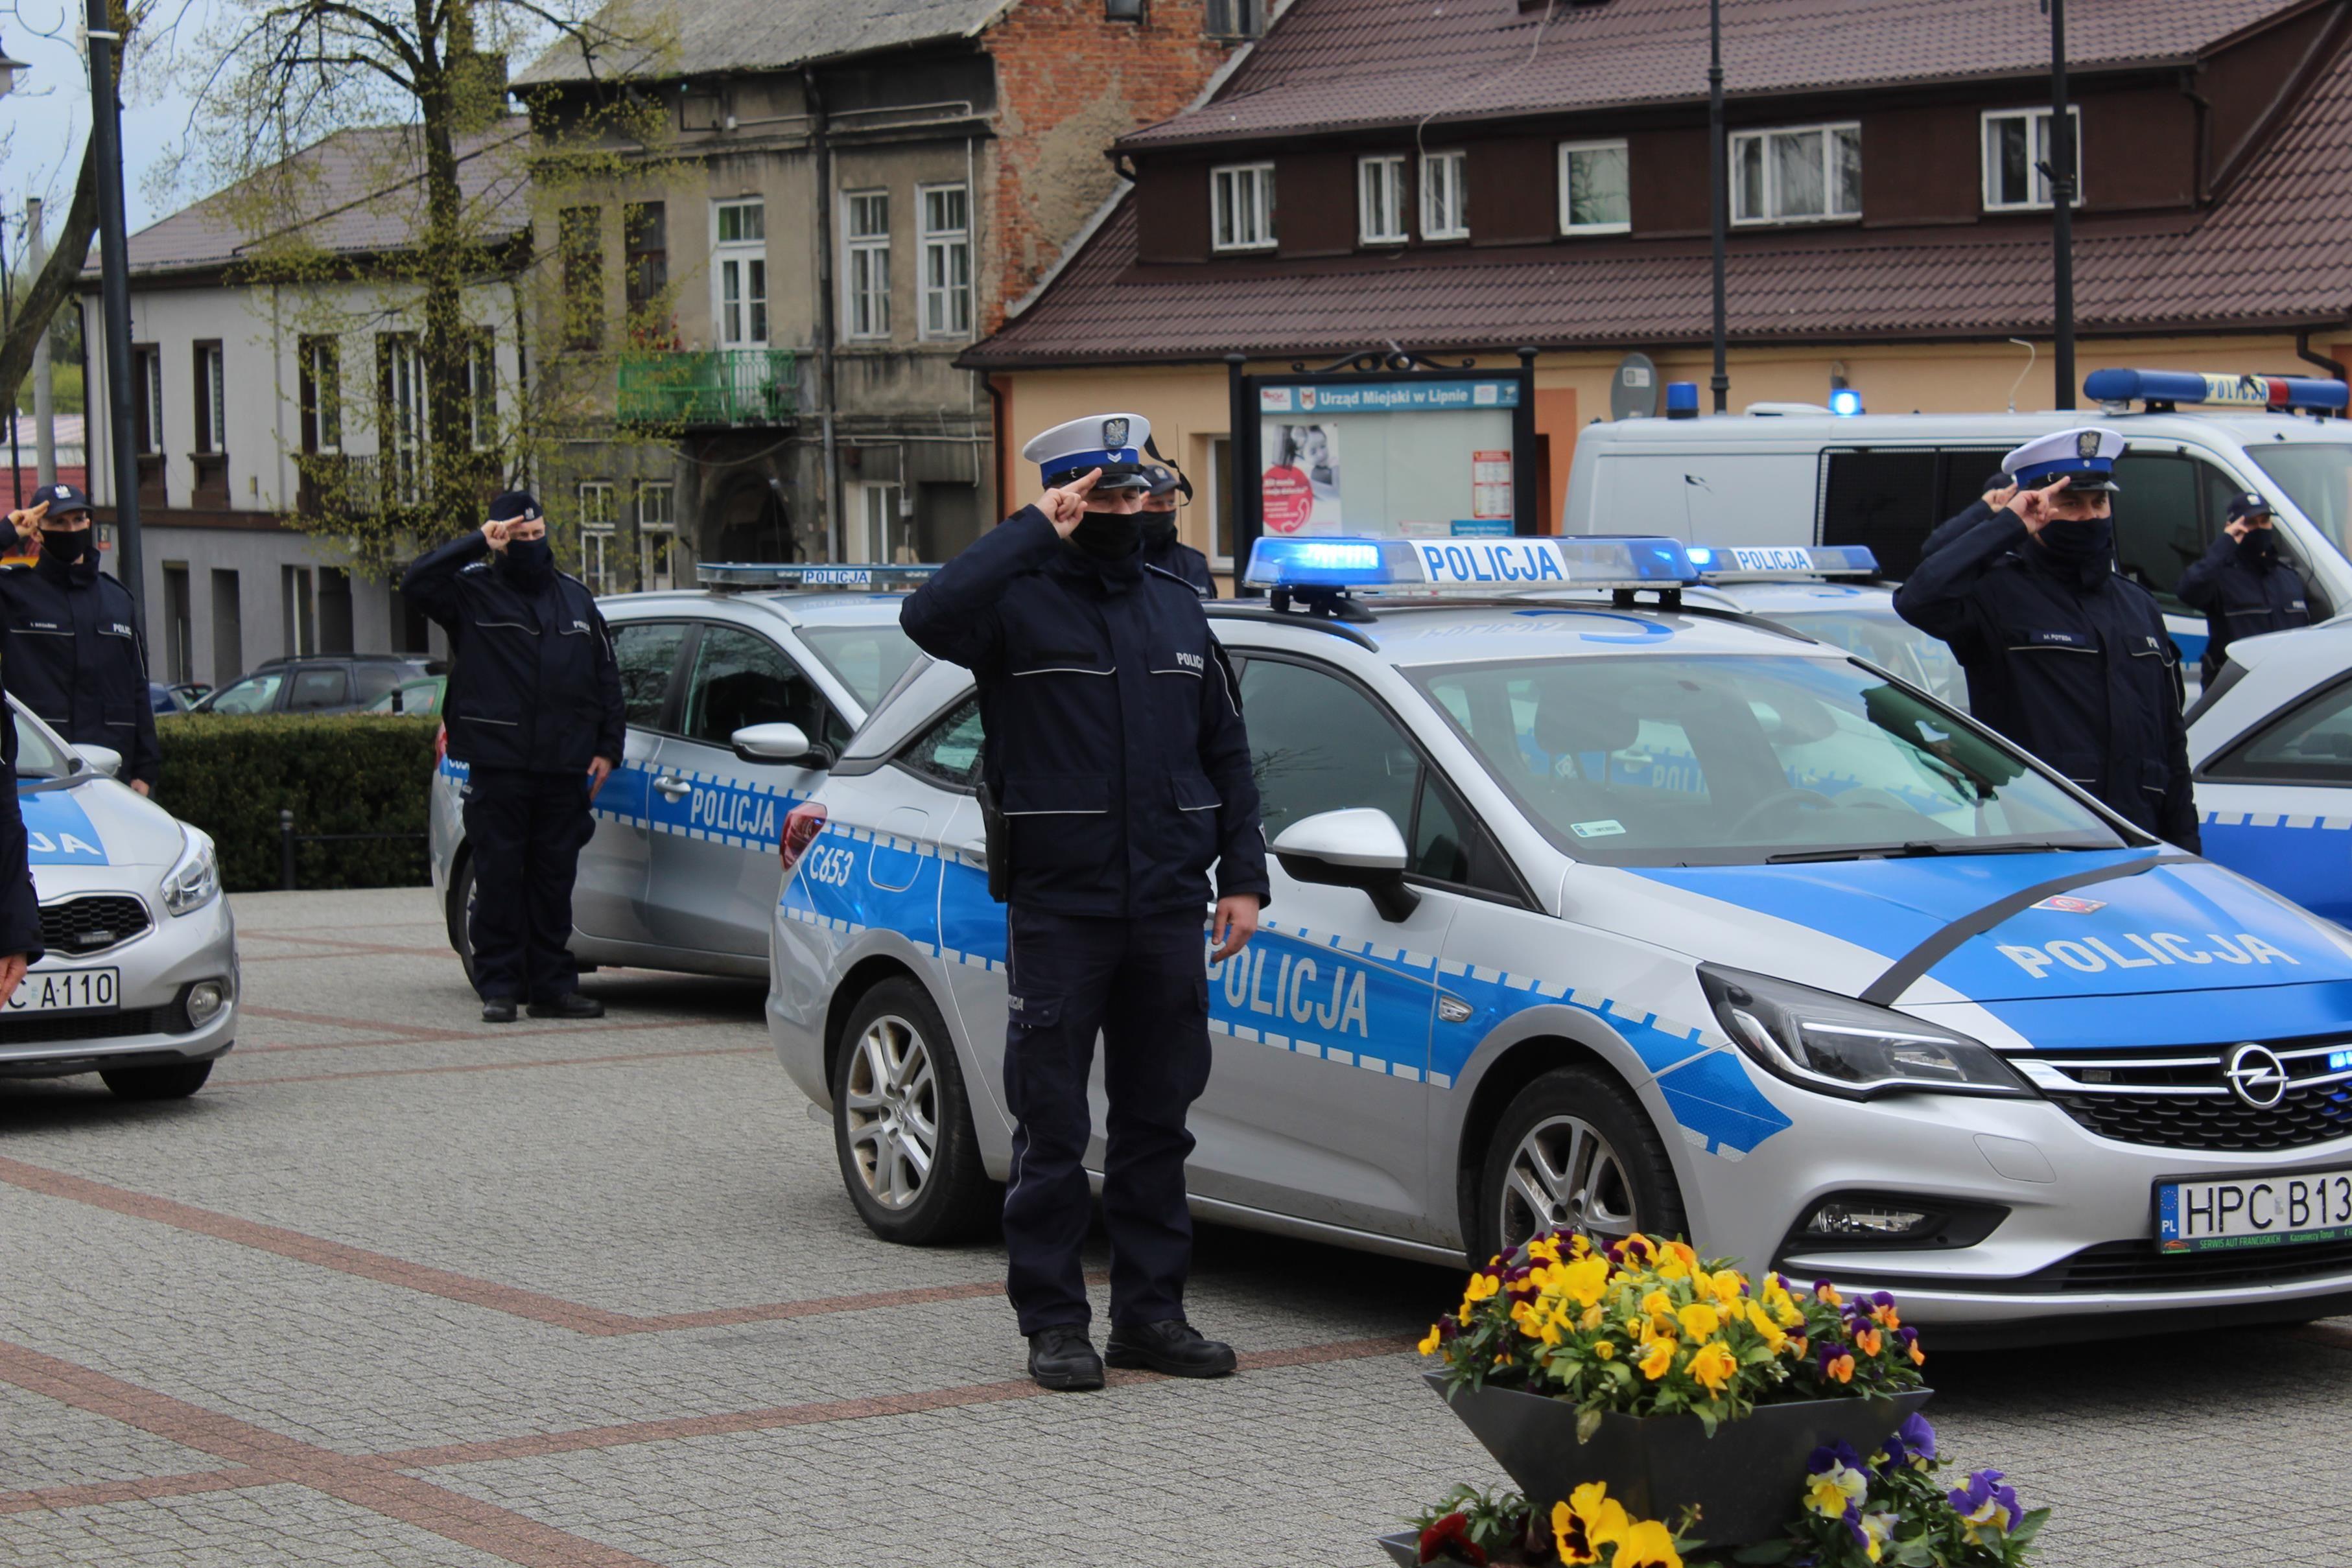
(1329, 65)
(2276, 251)
(363, 194)
(695, 38)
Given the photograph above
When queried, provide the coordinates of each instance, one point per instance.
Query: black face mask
(1159, 530)
(74, 553)
(2084, 545)
(1109, 536)
(2259, 547)
(530, 563)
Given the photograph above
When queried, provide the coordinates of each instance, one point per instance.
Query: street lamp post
(1719, 191)
(106, 129)
(2060, 170)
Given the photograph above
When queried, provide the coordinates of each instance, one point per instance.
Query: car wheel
(461, 916)
(173, 1081)
(902, 1125)
(1575, 1149)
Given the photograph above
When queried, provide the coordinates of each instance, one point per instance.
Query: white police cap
(1113, 442)
(2085, 456)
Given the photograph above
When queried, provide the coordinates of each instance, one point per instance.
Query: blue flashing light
(1844, 401)
(1701, 557)
(2340, 1061)
(1478, 566)
(1682, 400)
(2196, 388)
(1317, 563)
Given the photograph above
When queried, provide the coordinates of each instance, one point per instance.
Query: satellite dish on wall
(1633, 389)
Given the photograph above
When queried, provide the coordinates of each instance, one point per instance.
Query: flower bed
(1603, 1380)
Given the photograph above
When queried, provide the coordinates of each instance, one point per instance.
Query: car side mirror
(779, 743)
(1358, 847)
(101, 759)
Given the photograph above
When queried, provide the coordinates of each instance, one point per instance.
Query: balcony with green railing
(718, 387)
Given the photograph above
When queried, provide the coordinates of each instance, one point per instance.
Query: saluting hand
(2032, 507)
(1064, 506)
(28, 523)
(1995, 501)
(496, 534)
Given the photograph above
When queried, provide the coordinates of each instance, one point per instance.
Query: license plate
(2254, 1212)
(66, 991)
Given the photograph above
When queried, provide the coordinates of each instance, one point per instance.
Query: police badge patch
(1114, 434)
(2087, 444)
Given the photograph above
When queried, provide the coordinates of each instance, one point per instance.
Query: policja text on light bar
(1466, 566)
(875, 577)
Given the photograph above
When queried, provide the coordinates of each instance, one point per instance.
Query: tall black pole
(1718, 190)
(2062, 205)
(106, 129)
(7, 317)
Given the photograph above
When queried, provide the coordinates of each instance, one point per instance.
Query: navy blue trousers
(527, 831)
(1143, 984)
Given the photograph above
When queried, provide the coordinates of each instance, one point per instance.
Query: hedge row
(232, 775)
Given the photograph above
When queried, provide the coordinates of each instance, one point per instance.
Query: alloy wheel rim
(890, 1111)
(1565, 1173)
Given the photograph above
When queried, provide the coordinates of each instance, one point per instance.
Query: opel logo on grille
(2256, 1075)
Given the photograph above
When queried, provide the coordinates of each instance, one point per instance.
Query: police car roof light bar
(1319, 572)
(1780, 563)
(872, 578)
(2163, 391)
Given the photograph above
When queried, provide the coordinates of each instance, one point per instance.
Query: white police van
(1884, 481)
(1633, 915)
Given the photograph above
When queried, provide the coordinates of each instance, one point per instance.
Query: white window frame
(656, 535)
(482, 390)
(212, 361)
(1231, 186)
(1441, 187)
(946, 252)
(744, 262)
(1213, 500)
(1566, 204)
(881, 510)
(2038, 148)
(866, 270)
(324, 353)
(405, 445)
(596, 496)
(1374, 204)
(1829, 132)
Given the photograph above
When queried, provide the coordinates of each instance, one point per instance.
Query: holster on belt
(996, 836)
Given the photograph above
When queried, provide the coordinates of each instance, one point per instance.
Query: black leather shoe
(570, 1005)
(1063, 1357)
(499, 1010)
(1172, 1346)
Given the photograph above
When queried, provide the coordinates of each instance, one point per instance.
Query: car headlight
(194, 879)
(1840, 1045)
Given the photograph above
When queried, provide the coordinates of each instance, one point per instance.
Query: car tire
(1575, 1148)
(461, 913)
(173, 1080)
(902, 1123)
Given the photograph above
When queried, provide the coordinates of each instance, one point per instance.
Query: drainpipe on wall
(824, 309)
(2303, 351)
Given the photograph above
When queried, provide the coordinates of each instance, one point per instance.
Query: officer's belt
(1884, 990)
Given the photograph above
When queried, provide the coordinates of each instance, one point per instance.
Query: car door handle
(673, 787)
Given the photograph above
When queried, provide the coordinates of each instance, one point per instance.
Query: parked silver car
(140, 984)
(740, 694)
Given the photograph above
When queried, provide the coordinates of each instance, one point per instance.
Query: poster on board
(1420, 457)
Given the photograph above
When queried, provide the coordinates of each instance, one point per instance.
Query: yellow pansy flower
(1545, 1250)
(1867, 1339)
(1659, 1306)
(1729, 1283)
(1481, 1286)
(1646, 1544)
(1659, 1356)
(1592, 1318)
(1605, 1349)
(1585, 1281)
(1700, 1320)
(1429, 1344)
(1761, 1321)
(1713, 1364)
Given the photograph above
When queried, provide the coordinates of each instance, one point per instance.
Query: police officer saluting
(534, 711)
(75, 656)
(1116, 756)
(2062, 655)
(1162, 548)
(2241, 585)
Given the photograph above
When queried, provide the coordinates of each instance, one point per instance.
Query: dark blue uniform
(2073, 665)
(1953, 527)
(74, 657)
(1164, 549)
(20, 908)
(2242, 592)
(534, 695)
(1116, 750)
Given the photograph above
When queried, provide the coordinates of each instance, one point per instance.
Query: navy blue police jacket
(1953, 527)
(74, 656)
(2085, 678)
(1115, 746)
(20, 905)
(1179, 559)
(2241, 599)
(533, 683)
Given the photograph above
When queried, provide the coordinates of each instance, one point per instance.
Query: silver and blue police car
(2271, 744)
(737, 697)
(1634, 914)
(140, 982)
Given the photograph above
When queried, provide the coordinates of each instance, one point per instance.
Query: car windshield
(869, 660)
(1891, 643)
(2317, 478)
(1659, 761)
(37, 757)
(255, 694)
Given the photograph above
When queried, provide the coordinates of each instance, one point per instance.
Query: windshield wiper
(1915, 849)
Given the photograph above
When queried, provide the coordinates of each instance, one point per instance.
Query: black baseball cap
(514, 506)
(2248, 505)
(1164, 479)
(61, 499)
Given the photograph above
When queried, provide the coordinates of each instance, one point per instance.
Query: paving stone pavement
(400, 1288)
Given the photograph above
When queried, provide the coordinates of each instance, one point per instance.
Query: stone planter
(1745, 1481)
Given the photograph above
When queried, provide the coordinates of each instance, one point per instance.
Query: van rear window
(1889, 500)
